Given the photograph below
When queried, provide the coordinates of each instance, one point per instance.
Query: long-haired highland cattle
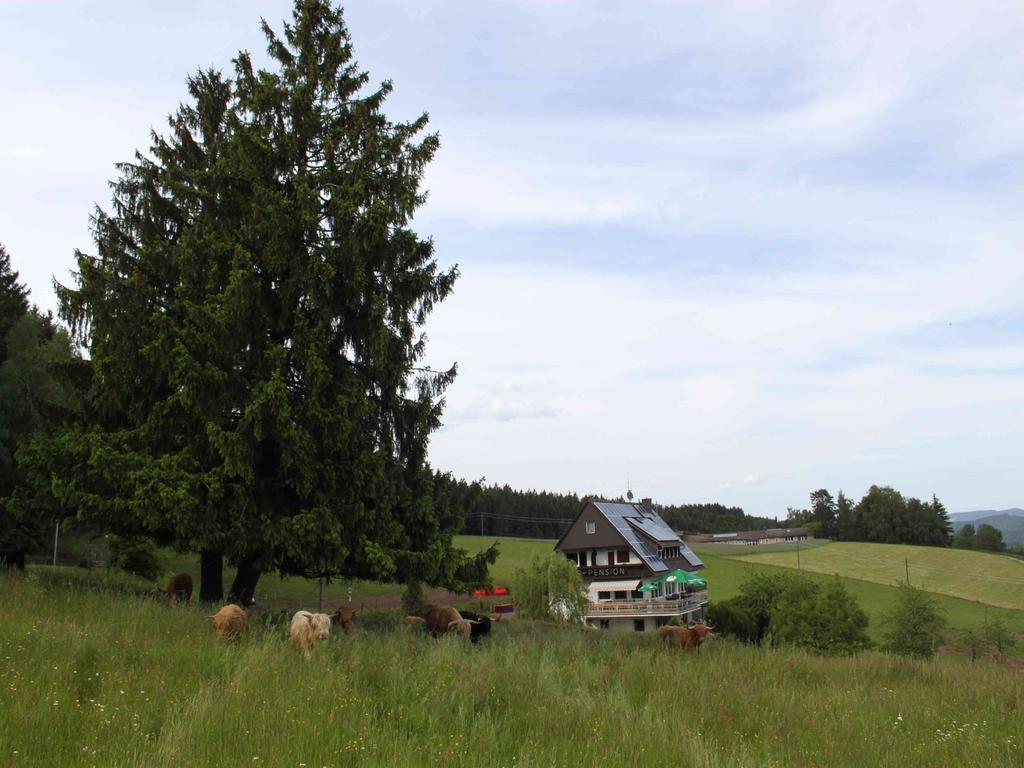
(229, 621)
(179, 587)
(308, 629)
(684, 637)
(441, 621)
(344, 618)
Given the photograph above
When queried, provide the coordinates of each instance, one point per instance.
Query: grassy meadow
(982, 576)
(725, 574)
(93, 677)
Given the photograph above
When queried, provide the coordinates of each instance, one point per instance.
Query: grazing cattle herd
(441, 621)
(308, 629)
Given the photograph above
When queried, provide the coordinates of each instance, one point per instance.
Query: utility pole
(906, 566)
(798, 553)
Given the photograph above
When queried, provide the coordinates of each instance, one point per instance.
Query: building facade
(636, 568)
(751, 538)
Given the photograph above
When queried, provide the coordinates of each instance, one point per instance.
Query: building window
(620, 595)
(591, 526)
(604, 595)
(622, 556)
(636, 594)
(605, 623)
(638, 625)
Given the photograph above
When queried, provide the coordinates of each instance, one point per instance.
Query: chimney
(646, 504)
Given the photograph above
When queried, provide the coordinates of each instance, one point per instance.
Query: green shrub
(793, 610)
(135, 554)
(821, 619)
(731, 617)
(914, 626)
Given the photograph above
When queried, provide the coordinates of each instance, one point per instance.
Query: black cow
(481, 629)
(12, 558)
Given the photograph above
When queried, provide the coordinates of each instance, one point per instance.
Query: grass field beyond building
(988, 578)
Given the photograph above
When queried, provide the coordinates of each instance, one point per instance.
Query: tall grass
(99, 678)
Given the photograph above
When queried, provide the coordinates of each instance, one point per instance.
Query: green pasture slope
(725, 574)
(92, 677)
(985, 577)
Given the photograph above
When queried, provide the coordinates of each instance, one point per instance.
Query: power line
(525, 519)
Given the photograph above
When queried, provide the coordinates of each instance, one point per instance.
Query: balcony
(625, 608)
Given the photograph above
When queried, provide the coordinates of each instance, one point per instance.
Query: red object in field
(504, 608)
(497, 591)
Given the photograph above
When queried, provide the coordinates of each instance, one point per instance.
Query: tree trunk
(243, 588)
(211, 584)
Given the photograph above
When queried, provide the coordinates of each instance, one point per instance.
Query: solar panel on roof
(627, 517)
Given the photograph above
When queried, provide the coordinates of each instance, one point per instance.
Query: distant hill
(959, 518)
(1012, 527)
(1009, 521)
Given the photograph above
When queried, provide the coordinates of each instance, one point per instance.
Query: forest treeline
(499, 510)
(883, 515)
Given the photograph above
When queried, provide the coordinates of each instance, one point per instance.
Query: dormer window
(591, 526)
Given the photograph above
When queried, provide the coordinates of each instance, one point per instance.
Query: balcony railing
(658, 607)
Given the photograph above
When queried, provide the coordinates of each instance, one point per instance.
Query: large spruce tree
(254, 314)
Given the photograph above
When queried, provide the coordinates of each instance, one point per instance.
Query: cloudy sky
(734, 252)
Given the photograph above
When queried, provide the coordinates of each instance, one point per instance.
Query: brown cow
(671, 636)
(346, 617)
(684, 637)
(179, 587)
(439, 621)
(229, 621)
(699, 633)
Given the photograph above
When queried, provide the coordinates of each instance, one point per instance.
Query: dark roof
(644, 530)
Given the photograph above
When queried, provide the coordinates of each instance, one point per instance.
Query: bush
(791, 609)
(998, 636)
(914, 626)
(551, 589)
(824, 620)
(731, 617)
(135, 554)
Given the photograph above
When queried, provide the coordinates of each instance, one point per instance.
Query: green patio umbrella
(680, 576)
(648, 587)
(684, 577)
